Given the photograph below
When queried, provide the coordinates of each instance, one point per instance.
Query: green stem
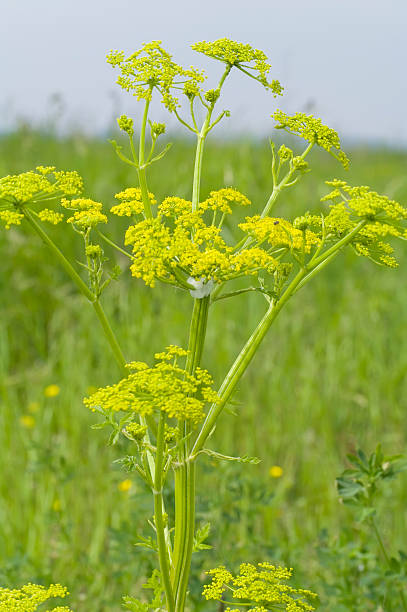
(141, 171)
(386, 557)
(159, 518)
(185, 471)
(280, 186)
(200, 146)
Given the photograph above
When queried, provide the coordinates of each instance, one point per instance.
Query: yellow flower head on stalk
(87, 213)
(314, 131)
(30, 596)
(151, 67)
(279, 233)
(264, 586)
(10, 217)
(131, 202)
(165, 387)
(384, 219)
(50, 216)
(181, 244)
(242, 56)
(39, 184)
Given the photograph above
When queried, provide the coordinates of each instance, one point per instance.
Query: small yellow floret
(50, 216)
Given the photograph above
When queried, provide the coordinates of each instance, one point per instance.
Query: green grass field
(331, 376)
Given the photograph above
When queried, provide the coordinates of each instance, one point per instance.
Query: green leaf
(201, 534)
(134, 605)
(243, 459)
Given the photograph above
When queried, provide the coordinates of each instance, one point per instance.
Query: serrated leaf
(134, 605)
(201, 534)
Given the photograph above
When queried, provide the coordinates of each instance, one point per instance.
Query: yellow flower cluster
(313, 130)
(131, 202)
(29, 597)
(10, 217)
(87, 213)
(242, 56)
(384, 219)
(279, 233)
(221, 200)
(179, 245)
(264, 586)
(35, 185)
(166, 387)
(50, 216)
(151, 67)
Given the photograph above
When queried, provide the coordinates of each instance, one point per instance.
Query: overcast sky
(343, 60)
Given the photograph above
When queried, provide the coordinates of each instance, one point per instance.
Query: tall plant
(168, 408)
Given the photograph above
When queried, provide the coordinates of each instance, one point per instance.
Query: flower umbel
(252, 62)
(314, 131)
(264, 586)
(151, 67)
(165, 387)
(30, 596)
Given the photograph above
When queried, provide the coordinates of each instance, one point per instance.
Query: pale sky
(343, 60)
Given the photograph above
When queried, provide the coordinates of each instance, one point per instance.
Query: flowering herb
(168, 410)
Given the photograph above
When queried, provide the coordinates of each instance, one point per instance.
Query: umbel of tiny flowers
(30, 596)
(263, 588)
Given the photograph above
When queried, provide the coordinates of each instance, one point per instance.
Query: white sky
(343, 60)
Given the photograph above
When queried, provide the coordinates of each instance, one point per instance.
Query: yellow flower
(27, 421)
(52, 391)
(125, 485)
(276, 471)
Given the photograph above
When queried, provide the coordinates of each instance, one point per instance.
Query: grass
(331, 376)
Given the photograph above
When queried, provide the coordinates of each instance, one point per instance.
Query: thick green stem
(141, 159)
(159, 518)
(185, 471)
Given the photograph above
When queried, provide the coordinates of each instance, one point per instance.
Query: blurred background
(331, 376)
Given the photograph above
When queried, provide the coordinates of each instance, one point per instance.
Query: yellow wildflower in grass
(264, 585)
(52, 391)
(27, 420)
(166, 387)
(125, 485)
(276, 471)
(30, 596)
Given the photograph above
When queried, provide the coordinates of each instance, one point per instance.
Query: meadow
(330, 378)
